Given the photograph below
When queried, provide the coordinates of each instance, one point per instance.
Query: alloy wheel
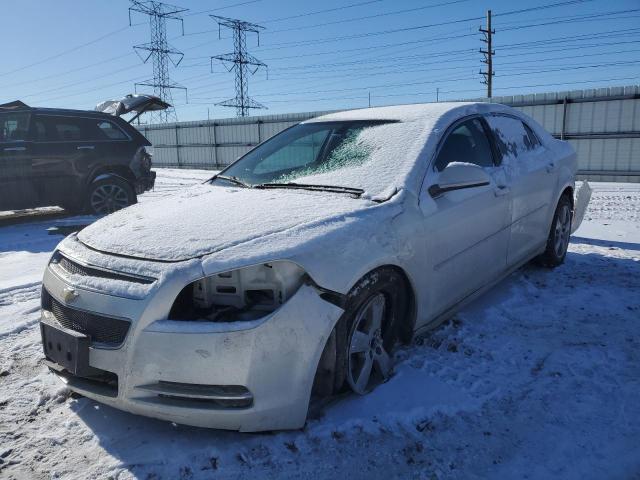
(368, 363)
(108, 198)
(563, 230)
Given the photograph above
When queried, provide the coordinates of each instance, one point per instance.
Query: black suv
(83, 161)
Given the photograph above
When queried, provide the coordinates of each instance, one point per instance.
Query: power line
(65, 52)
(317, 12)
(368, 17)
(221, 8)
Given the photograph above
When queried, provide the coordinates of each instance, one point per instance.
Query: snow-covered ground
(538, 379)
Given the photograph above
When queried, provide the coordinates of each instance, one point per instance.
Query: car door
(532, 177)
(62, 152)
(16, 185)
(467, 228)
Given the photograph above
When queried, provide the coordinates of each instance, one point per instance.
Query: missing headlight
(239, 295)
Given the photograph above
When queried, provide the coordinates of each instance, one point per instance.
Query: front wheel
(108, 195)
(359, 352)
(558, 240)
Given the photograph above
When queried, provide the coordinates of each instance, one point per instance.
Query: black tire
(336, 368)
(558, 240)
(109, 195)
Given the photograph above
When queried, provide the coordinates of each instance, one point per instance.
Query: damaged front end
(244, 295)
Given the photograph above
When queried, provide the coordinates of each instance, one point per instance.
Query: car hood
(206, 219)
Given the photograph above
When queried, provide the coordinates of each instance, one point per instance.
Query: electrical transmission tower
(242, 62)
(488, 55)
(161, 52)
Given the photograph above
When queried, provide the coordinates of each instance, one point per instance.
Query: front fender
(335, 254)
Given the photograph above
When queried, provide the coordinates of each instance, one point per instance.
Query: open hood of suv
(138, 103)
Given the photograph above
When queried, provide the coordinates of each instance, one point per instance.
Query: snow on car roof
(402, 113)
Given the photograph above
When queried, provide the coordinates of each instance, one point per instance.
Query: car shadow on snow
(606, 243)
(533, 298)
(40, 237)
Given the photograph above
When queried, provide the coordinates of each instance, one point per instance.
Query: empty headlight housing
(244, 294)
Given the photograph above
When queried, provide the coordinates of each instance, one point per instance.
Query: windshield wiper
(234, 180)
(319, 188)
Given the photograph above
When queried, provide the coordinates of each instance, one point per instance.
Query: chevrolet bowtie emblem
(69, 294)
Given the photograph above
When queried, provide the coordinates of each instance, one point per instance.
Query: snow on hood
(207, 219)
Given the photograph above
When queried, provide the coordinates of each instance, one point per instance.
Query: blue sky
(75, 54)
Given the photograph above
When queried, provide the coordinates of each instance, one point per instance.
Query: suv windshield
(316, 154)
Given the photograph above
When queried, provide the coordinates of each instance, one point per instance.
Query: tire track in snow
(19, 294)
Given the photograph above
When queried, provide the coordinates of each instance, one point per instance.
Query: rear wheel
(558, 240)
(108, 195)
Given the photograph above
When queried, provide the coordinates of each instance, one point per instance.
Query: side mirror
(457, 176)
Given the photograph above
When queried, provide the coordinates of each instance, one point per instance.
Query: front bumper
(247, 376)
(145, 183)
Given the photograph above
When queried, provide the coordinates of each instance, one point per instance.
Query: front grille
(75, 268)
(100, 329)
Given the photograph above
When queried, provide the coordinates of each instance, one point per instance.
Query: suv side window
(110, 131)
(14, 127)
(59, 128)
(466, 143)
(513, 137)
(64, 129)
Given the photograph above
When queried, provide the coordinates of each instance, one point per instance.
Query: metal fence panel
(603, 125)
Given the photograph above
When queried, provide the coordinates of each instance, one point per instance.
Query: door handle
(15, 149)
(86, 147)
(551, 166)
(501, 190)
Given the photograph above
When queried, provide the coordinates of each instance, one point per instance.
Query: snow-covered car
(297, 270)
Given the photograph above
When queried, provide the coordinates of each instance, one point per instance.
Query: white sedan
(297, 270)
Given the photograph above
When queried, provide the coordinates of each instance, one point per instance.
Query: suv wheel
(107, 196)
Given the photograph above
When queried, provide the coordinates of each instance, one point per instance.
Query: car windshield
(321, 155)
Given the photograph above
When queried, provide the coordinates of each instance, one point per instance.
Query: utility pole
(488, 55)
(241, 61)
(161, 52)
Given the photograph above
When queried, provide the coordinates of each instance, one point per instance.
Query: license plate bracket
(67, 348)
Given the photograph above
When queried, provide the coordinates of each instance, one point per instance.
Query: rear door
(16, 185)
(63, 152)
(533, 178)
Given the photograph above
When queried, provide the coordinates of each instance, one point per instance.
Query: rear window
(14, 127)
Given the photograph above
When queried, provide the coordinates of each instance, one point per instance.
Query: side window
(534, 142)
(40, 129)
(513, 137)
(466, 143)
(66, 129)
(14, 127)
(109, 131)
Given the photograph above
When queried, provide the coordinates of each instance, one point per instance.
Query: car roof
(56, 111)
(412, 112)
